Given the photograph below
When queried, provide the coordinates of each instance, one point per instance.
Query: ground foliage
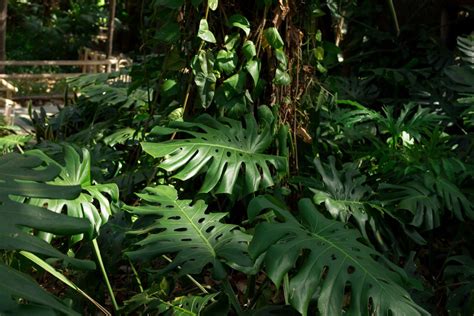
(268, 157)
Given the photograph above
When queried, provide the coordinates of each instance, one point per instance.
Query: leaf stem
(232, 296)
(199, 285)
(58, 275)
(104, 273)
(286, 288)
(137, 277)
(393, 12)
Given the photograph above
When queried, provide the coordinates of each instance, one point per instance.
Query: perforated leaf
(225, 150)
(185, 229)
(331, 262)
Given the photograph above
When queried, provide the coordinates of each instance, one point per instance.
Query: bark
(111, 29)
(3, 31)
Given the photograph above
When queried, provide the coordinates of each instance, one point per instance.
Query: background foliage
(268, 157)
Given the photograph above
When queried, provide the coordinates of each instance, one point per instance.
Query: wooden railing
(7, 90)
(97, 65)
(87, 66)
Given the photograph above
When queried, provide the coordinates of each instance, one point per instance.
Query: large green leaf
(427, 198)
(345, 193)
(196, 237)
(23, 177)
(332, 264)
(77, 171)
(416, 198)
(224, 149)
(15, 284)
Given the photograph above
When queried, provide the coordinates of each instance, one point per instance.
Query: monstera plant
(225, 150)
(197, 237)
(24, 177)
(346, 275)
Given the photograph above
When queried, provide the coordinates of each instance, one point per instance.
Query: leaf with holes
(225, 150)
(332, 264)
(77, 171)
(196, 237)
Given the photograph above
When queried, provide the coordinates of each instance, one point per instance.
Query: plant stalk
(104, 273)
(393, 12)
(135, 273)
(232, 296)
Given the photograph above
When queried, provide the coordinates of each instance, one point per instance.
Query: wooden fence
(91, 62)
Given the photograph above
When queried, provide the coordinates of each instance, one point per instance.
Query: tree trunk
(110, 35)
(3, 31)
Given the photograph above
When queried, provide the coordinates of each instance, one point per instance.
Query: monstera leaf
(416, 198)
(224, 150)
(196, 237)
(17, 284)
(333, 266)
(427, 198)
(346, 195)
(77, 171)
(24, 177)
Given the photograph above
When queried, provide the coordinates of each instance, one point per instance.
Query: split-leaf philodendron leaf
(185, 229)
(16, 284)
(77, 171)
(225, 150)
(24, 177)
(332, 264)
